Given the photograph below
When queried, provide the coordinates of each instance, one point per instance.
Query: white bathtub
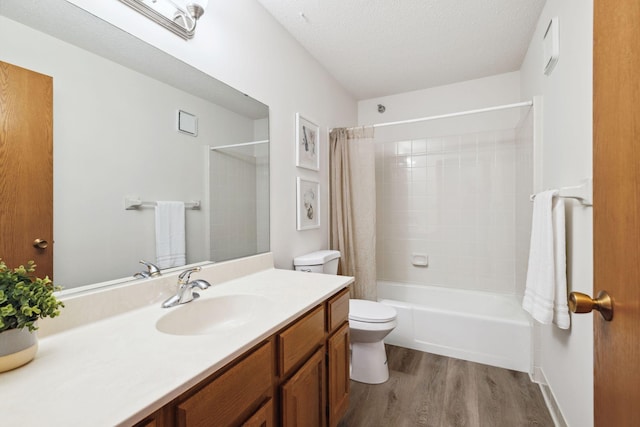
(471, 325)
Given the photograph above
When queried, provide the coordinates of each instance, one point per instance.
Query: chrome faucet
(185, 288)
(152, 270)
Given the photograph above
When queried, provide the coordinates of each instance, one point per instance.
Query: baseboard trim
(552, 404)
(536, 376)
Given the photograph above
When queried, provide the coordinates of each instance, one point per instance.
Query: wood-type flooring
(436, 391)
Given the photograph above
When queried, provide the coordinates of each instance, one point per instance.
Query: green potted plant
(24, 298)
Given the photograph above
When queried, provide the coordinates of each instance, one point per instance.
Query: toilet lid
(370, 311)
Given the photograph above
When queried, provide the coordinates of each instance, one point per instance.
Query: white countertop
(116, 370)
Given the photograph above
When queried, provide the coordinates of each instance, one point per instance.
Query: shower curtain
(352, 195)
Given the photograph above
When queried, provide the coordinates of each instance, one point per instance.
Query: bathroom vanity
(299, 375)
(259, 348)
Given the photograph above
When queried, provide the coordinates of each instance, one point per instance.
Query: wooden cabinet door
(338, 374)
(26, 167)
(303, 395)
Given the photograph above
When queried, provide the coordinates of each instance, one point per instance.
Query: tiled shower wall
(233, 205)
(451, 199)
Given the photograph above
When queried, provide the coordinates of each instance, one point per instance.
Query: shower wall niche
(452, 199)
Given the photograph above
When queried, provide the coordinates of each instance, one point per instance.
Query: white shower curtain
(353, 206)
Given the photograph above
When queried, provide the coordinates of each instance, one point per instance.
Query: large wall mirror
(116, 102)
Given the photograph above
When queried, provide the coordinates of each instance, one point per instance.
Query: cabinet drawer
(263, 417)
(337, 310)
(299, 340)
(234, 395)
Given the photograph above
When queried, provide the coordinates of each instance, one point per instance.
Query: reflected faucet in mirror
(152, 270)
(185, 292)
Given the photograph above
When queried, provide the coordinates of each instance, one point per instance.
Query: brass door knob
(583, 303)
(40, 243)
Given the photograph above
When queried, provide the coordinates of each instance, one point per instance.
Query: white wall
(239, 43)
(566, 357)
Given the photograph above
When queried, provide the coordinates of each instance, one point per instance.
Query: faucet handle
(152, 269)
(184, 277)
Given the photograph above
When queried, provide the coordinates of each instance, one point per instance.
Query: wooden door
(338, 380)
(616, 215)
(303, 395)
(26, 167)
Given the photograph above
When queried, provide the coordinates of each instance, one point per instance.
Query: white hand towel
(545, 294)
(170, 235)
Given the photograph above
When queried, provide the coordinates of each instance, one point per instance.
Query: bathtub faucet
(185, 292)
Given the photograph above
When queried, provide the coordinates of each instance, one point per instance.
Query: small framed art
(307, 143)
(308, 204)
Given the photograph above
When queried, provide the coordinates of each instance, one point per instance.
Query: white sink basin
(213, 315)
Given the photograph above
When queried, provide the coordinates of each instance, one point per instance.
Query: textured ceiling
(376, 48)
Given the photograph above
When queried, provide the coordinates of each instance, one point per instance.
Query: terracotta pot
(17, 347)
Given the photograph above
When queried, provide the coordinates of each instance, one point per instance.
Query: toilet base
(369, 362)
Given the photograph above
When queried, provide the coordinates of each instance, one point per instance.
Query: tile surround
(235, 211)
(454, 199)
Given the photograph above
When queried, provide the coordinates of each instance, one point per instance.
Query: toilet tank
(318, 262)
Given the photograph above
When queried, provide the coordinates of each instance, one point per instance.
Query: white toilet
(369, 323)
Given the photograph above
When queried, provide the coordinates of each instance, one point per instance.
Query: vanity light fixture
(178, 16)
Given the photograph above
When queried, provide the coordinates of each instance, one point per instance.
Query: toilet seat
(372, 326)
(370, 311)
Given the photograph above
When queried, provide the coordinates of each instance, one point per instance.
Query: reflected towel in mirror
(170, 234)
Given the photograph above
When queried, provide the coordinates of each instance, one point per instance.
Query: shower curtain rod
(460, 113)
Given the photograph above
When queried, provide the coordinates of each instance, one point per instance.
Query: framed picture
(308, 204)
(307, 144)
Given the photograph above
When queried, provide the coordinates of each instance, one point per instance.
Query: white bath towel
(170, 234)
(545, 295)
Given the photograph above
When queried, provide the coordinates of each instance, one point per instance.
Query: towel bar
(583, 192)
(133, 204)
